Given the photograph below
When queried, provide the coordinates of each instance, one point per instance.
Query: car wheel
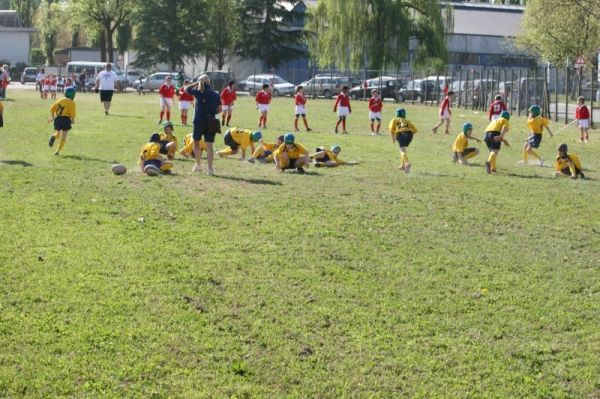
(251, 92)
(419, 99)
(327, 94)
(354, 96)
(401, 98)
(275, 93)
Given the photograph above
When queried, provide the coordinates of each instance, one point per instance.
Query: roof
(487, 21)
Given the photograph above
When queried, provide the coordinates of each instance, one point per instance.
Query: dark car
(387, 86)
(29, 75)
(218, 79)
(418, 90)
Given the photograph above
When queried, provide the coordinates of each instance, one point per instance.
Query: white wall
(14, 45)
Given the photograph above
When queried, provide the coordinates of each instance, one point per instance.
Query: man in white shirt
(39, 81)
(106, 82)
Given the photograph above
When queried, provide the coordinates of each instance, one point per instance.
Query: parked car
(131, 75)
(327, 85)
(387, 86)
(280, 87)
(418, 90)
(29, 75)
(586, 90)
(527, 91)
(153, 82)
(218, 79)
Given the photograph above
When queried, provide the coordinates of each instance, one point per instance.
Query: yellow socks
(470, 155)
(403, 158)
(492, 159)
(535, 155)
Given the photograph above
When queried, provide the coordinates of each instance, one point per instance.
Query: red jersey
(445, 106)
(228, 96)
(343, 100)
(53, 82)
(183, 96)
(375, 104)
(496, 108)
(262, 97)
(166, 91)
(582, 112)
(300, 99)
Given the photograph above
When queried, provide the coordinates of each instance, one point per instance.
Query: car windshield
(277, 80)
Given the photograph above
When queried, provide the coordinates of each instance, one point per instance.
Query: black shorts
(302, 115)
(291, 164)
(325, 158)
(106, 95)
(489, 141)
(404, 139)
(201, 130)
(567, 171)
(468, 151)
(1, 120)
(62, 123)
(163, 147)
(230, 142)
(155, 162)
(534, 140)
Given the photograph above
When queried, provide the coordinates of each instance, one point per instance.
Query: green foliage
(37, 57)
(124, 36)
(268, 33)
(376, 33)
(220, 39)
(169, 31)
(49, 20)
(561, 30)
(25, 10)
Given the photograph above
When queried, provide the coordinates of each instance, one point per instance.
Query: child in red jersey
(300, 109)
(496, 108)
(343, 109)
(582, 114)
(46, 87)
(166, 93)
(263, 100)
(53, 86)
(375, 106)
(445, 113)
(228, 97)
(185, 101)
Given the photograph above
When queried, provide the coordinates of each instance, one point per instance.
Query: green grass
(349, 282)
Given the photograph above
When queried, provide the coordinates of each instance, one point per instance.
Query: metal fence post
(567, 94)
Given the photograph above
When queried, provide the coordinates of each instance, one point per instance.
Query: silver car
(153, 81)
(280, 87)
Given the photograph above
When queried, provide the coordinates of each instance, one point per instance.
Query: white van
(92, 69)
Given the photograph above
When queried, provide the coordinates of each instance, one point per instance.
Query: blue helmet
(256, 136)
(70, 92)
(466, 127)
(400, 113)
(505, 115)
(168, 124)
(336, 149)
(289, 138)
(535, 110)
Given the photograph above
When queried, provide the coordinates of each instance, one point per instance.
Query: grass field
(354, 282)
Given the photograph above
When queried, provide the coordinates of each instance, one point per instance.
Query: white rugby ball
(152, 170)
(119, 169)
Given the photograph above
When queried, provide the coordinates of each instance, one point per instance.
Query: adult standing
(208, 105)
(106, 82)
(5, 80)
(39, 81)
(82, 80)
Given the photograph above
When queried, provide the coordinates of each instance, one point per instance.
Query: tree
(25, 10)
(558, 30)
(49, 22)
(169, 31)
(108, 15)
(377, 33)
(220, 39)
(268, 32)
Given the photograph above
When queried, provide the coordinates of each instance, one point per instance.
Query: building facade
(15, 39)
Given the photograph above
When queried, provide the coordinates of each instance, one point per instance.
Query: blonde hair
(203, 80)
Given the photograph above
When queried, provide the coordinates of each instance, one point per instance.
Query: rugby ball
(119, 169)
(152, 170)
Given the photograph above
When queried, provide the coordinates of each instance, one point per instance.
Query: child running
(536, 124)
(263, 100)
(166, 93)
(168, 142)
(300, 109)
(582, 114)
(228, 97)
(188, 146)
(494, 135)
(325, 157)
(567, 164)
(445, 113)
(264, 152)
(185, 102)
(343, 109)
(496, 108)
(235, 138)
(402, 131)
(291, 155)
(63, 113)
(460, 150)
(375, 106)
(151, 162)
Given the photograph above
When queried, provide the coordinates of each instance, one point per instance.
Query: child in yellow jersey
(460, 151)
(402, 131)
(536, 124)
(63, 113)
(291, 155)
(151, 162)
(168, 142)
(567, 164)
(264, 152)
(1, 114)
(188, 146)
(235, 138)
(494, 136)
(325, 157)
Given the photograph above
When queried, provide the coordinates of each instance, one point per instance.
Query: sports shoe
(308, 129)
(318, 165)
(51, 141)
(251, 160)
(541, 162)
(336, 131)
(407, 168)
(488, 167)
(56, 152)
(297, 130)
(262, 160)
(197, 168)
(345, 132)
(522, 162)
(210, 172)
(401, 167)
(105, 112)
(300, 171)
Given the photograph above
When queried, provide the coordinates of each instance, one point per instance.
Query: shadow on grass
(530, 176)
(17, 162)
(84, 158)
(251, 181)
(126, 116)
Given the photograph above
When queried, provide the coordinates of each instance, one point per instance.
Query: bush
(37, 57)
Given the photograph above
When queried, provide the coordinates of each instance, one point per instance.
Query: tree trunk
(206, 62)
(102, 46)
(109, 43)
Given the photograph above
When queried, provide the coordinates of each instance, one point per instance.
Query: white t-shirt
(107, 80)
(40, 76)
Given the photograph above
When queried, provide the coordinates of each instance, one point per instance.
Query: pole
(555, 94)
(567, 94)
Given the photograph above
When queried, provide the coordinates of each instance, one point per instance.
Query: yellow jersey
(1, 107)
(401, 125)
(497, 125)
(269, 146)
(169, 138)
(332, 157)
(241, 136)
(562, 163)
(536, 125)
(150, 151)
(460, 143)
(63, 107)
(188, 144)
(294, 153)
